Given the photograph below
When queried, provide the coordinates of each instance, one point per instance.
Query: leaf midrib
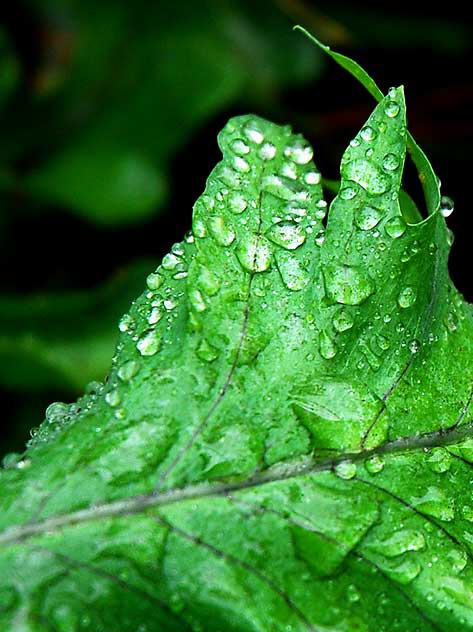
(138, 504)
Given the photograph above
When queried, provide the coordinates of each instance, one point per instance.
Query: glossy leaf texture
(283, 442)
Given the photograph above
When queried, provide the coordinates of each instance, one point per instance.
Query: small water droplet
(374, 464)
(368, 217)
(395, 227)
(254, 253)
(293, 275)
(155, 316)
(113, 397)
(288, 235)
(440, 460)
(126, 323)
(414, 346)
(57, 412)
(253, 132)
(342, 320)
(206, 352)
(446, 206)
(319, 237)
(392, 109)
(128, 370)
(348, 193)
(170, 261)
(149, 343)
(154, 280)
(240, 164)
(406, 298)
(170, 303)
(345, 470)
(327, 346)
(197, 300)
(312, 177)
(352, 594)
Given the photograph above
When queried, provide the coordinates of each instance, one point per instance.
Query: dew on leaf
(221, 230)
(284, 188)
(446, 206)
(197, 300)
(127, 323)
(155, 316)
(414, 346)
(128, 370)
(435, 503)
(253, 132)
(57, 412)
(293, 275)
(149, 343)
(299, 151)
(319, 237)
(400, 542)
(368, 175)
(267, 151)
(327, 346)
(237, 203)
(406, 298)
(113, 397)
(312, 177)
(374, 464)
(154, 280)
(288, 235)
(254, 253)
(348, 285)
(392, 109)
(346, 470)
(170, 303)
(239, 147)
(439, 460)
(342, 320)
(348, 192)
(240, 164)
(368, 133)
(395, 227)
(206, 352)
(367, 217)
(390, 162)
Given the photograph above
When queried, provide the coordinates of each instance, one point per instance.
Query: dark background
(109, 113)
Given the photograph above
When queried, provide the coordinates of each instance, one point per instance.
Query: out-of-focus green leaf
(65, 340)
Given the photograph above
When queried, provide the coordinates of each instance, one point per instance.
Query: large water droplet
(289, 235)
(239, 147)
(346, 470)
(348, 192)
(221, 230)
(390, 162)
(127, 323)
(392, 109)
(206, 351)
(368, 217)
(57, 412)
(368, 134)
(240, 164)
(170, 261)
(348, 285)
(293, 275)
(406, 298)
(395, 227)
(197, 300)
(154, 280)
(446, 206)
(237, 203)
(367, 175)
(149, 343)
(253, 132)
(400, 542)
(113, 397)
(284, 188)
(254, 253)
(267, 151)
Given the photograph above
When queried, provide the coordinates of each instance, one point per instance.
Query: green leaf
(284, 439)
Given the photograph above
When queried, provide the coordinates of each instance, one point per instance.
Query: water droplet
(197, 300)
(368, 217)
(458, 560)
(149, 343)
(346, 470)
(374, 464)
(451, 321)
(400, 542)
(446, 206)
(241, 164)
(221, 230)
(368, 134)
(170, 261)
(299, 151)
(293, 275)
(342, 320)
(237, 203)
(312, 177)
(435, 503)
(414, 346)
(348, 193)
(327, 347)
(288, 169)
(128, 370)
(439, 460)
(352, 594)
(390, 162)
(406, 298)
(284, 188)
(320, 237)
(229, 177)
(239, 147)
(206, 351)
(170, 303)
(348, 285)
(383, 342)
(253, 132)
(267, 151)
(155, 316)
(395, 227)
(199, 228)
(392, 109)
(57, 412)
(113, 397)
(126, 323)
(154, 280)
(208, 281)
(289, 235)
(254, 253)
(368, 175)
